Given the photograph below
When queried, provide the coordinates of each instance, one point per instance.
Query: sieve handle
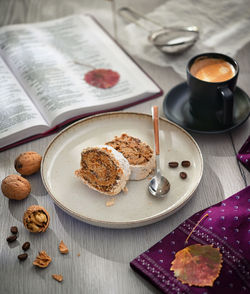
(131, 14)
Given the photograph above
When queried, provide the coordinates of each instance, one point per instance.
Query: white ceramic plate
(136, 207)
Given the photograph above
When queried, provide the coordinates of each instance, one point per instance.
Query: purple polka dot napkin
(244, 154)
(227, 226)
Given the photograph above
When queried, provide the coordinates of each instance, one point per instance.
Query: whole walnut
(36, 219)
(28, 163)
(15, 187)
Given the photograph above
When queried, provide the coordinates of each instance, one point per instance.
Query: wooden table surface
(103, 264)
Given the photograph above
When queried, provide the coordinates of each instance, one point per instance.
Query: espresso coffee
(212, 70)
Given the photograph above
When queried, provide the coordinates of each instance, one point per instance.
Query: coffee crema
(212, 70)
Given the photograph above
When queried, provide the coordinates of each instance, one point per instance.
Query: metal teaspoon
(159, 185)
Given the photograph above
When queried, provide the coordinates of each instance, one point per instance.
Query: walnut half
(42, 259)
(36, 219)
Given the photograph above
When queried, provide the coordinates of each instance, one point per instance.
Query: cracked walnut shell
(28, 163)
(63, 248)
(58, 278)
(36, 219)
(15, 187)
(42, 259)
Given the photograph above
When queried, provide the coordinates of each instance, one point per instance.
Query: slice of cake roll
(104, 169)
(140, 156)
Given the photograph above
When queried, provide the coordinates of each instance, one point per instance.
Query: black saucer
(176, 108)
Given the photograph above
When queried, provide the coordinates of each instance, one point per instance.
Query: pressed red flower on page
(102, 78)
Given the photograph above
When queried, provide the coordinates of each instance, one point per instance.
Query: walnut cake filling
(99, 169)
(136, 151)
(139, 155)
(104, 169)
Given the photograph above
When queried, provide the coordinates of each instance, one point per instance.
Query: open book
(42, 84)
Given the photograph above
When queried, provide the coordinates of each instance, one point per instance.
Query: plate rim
(213, 132)
(120, 224)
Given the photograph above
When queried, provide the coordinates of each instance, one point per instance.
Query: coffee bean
(26, 246)
(11, 238)
(185, 163)
(173, 164)
(183, 175)
(14, 230)
(22, 256)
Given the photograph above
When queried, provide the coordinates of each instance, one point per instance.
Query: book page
(43, 57)
(18, 116)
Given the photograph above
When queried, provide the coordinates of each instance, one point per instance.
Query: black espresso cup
(212, 79)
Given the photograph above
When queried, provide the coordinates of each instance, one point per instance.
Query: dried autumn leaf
(197, 265)
(102, 78)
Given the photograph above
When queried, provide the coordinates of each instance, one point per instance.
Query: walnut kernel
(42, 259)
(36, 219)
(63, 248)
(28, 163)
(15, 187)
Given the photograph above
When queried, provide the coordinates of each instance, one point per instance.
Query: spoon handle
(156, 128)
